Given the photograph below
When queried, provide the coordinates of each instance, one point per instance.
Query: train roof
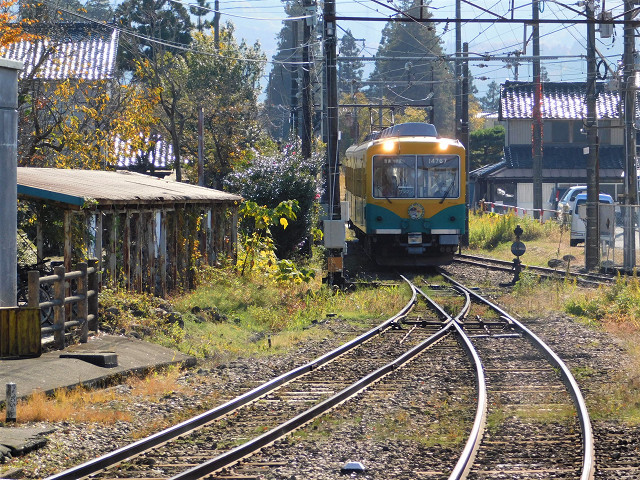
(410, 129)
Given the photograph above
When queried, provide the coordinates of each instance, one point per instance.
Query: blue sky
(264, 20)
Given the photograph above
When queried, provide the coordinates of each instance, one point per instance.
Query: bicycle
(44, 292)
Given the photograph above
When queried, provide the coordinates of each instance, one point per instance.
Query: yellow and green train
(406, 194)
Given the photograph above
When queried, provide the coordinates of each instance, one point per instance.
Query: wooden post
(58, 310)
(83, 304)
(173, 256)
(234, 234)
(98, 245)
(113, 253)
(68, 241)
(33, 300)
(208, 239)
(151, 252)
(138, 252)
(162, 254)
(39, 238)
(126, 251)
(93, 285)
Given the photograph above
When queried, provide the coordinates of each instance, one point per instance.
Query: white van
(567, 203)
(579, 219)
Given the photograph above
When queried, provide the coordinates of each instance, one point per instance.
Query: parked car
(579, 223)
(568, 201)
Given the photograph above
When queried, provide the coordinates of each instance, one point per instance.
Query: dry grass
(157, 384)
(97, 406)
(77, 405)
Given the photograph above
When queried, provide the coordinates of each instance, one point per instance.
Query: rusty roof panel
(77, 187)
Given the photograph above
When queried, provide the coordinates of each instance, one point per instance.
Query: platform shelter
(148, 234)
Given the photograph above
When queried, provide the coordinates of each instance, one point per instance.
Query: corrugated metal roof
(563, 157)
(77, 187)
(560, 100)
(159, 156)
(76, 50)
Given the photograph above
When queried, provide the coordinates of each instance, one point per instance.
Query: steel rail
(588, 461)
(506, 265)
(468, 454)
(128, 451)
(232, 456)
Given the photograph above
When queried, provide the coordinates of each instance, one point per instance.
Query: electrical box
(345, 213)
(334, 234)
(606, 29)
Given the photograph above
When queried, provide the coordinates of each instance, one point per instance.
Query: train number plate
(414, 239)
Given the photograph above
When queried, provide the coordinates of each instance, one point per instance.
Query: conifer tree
(401, 80)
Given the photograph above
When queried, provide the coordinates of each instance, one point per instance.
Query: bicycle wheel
(46, 314)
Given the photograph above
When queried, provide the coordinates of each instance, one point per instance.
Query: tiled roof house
(563, 160)
(67, 50)
(84, 51)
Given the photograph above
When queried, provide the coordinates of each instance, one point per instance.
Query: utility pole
(537, 115)
(201, 146)
(307, 104)
(464, 134)
(631, 172)
(592, 241)
(293, 108)
(334, 229)
(458, 71)
(216, 24)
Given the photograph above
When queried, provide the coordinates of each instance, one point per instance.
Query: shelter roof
(69, 50)
(560, 100)
(77, 188)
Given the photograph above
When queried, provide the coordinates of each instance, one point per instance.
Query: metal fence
(619, 230)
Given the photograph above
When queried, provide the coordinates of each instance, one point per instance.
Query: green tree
(486, 146)
(224, 81)
(410, 39)
(150, 28)
(154, 54)
(99, 10)
(349, 73)
(490, 102)
(278, 104)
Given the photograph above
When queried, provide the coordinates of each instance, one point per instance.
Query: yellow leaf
(284, 223)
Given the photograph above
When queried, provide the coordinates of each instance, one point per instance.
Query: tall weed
(488, 230)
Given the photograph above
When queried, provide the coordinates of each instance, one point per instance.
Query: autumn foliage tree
(222, 80)
(11, 28)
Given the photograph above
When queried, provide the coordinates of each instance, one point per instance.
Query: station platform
(101, 360)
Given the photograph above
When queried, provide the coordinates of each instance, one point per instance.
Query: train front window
(394, 176)
(438, 176)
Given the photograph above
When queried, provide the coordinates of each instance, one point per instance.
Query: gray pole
(293, 127)
(592, 241)
(201, 146)
(458, 72)
(307, 104)
(537, 115)
(8, 180)
(631, 172)
(216, 24)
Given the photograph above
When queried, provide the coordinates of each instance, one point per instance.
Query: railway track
(399, 379)
(545, 272)
(539, 425)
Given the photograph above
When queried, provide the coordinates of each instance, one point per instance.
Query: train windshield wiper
(446, 193)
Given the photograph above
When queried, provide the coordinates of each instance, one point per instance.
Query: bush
(488, 230)
(270, 180)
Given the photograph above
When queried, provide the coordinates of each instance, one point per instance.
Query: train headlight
(389, 146)
(444, 145)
